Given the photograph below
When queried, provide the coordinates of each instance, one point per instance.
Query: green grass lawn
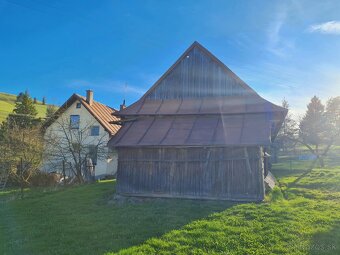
(7, 103)
(83, 220)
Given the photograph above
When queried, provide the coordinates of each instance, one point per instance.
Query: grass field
(7, 103)
(304, 219)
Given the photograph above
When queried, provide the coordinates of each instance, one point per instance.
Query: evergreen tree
(25, 107)
(44, 100)
(24, 113)
(312, 125)
(19, 97)
(35, 100)
(333, 118)
(51, 109)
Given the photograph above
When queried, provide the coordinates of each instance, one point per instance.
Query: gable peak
(197, 73)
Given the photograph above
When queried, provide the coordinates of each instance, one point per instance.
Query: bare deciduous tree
(21, 151)
(71, 142)
(286, 135)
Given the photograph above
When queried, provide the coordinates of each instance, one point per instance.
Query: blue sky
(119, 49)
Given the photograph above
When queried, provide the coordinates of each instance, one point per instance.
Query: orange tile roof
(102, 113)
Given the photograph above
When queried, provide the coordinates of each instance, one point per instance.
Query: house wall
(192, 172)
(105, 166)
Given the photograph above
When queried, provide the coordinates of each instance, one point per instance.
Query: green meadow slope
(7, 104)
(303, 217)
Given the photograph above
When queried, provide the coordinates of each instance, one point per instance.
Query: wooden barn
(198, 132)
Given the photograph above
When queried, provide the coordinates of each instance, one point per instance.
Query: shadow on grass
(137, 222)
(326, 242)
(266, 228)
(79, 220)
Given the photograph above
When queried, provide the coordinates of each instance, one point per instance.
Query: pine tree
(26, 106)
(19, 97)
(333, 117)
(312, 125)
(24, 113)
(35, 100)
(44, 100)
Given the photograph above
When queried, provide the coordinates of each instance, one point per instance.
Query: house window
(74, 121)
(94, 131)
(78, 105)
(93, 154)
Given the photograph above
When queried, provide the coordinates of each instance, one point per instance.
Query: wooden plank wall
(197, 75)
(196, 172)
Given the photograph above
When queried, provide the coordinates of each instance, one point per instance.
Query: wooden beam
(247, 159)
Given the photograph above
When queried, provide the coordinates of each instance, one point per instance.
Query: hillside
(7, 104)
(84, 219)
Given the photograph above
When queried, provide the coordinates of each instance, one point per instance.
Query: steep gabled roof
(199, 102)
(102, 113)
(196, 68)
(199, 83)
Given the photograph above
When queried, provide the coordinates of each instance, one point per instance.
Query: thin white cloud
(330, 27)
(107, 86)
(278, 44)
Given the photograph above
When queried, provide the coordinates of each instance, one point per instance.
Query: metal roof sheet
(246, 129)
(216, 105)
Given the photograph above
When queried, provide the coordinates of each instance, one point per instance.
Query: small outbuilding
(198, 132)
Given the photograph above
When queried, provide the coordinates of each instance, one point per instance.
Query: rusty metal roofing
(244, 129)
(209, 105)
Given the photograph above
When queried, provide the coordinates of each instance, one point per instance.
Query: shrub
(276, 194)
(42, 179)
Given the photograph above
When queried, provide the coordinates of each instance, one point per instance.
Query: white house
(83, 122)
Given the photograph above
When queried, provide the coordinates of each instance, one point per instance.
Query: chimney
(89, 97)
(122, 106)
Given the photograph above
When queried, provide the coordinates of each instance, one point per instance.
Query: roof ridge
(97, 102)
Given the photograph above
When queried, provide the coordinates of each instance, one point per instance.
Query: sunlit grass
(7, 104)
(306, 223)
(300, 217)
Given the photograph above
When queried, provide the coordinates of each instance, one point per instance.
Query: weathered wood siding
(196, 172)
(198, 75)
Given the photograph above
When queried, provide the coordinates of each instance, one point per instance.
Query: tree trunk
(79, 175)
(321, 161)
